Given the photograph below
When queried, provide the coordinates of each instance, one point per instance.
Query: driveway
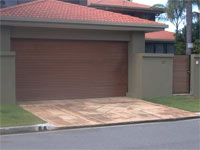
(101, 111)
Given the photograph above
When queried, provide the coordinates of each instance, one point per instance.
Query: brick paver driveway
(88, 112)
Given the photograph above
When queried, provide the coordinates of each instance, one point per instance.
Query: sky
(152, 2)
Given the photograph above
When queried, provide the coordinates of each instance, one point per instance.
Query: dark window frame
(164, 44)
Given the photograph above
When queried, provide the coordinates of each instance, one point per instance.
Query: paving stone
(99, 111)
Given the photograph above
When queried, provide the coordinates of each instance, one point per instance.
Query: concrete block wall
(7, 69)
(149, 75)
(195, 75)
(7, 77)
(153, 75)
(157, 73)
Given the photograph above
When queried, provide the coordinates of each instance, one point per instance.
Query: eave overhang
(127, 8)
(78, 24)
(160, 40)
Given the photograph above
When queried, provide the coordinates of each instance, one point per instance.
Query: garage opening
(65, 69)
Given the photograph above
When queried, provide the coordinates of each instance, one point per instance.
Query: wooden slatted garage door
(63, 69)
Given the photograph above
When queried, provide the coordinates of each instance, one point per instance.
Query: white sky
(152, 2)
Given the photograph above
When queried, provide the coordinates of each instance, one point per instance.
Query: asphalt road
(152, 136)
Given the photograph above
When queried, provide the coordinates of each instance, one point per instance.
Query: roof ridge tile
(125, 3)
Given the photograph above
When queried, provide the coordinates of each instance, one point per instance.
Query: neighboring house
(160, 42)
(7, 3)
(156, 42)
(52, 50)
(126, 7)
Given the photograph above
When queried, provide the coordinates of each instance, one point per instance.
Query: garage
(70, 69)
(59, 51)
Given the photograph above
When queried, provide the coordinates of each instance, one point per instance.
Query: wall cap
(196, 55)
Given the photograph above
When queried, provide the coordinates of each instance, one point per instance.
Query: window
(170, 48)
(159, 48)
(149, 48)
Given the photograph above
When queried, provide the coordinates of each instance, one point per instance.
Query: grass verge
(188, 103)
(13, 115)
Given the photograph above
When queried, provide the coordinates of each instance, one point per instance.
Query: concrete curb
(127, 123)
(24, 129)
(48, 127)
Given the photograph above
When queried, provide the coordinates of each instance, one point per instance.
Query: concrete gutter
(47, 127)
(128, 123)
(25, 129)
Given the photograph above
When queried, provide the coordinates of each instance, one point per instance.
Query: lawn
(13, 115)
(188, 103)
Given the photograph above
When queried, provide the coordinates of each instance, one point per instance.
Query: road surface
(148, 136)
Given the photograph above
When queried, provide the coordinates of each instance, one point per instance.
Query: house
(54, 50)
(161, 42)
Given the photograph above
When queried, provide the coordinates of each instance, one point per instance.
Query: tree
(175, 10)
(175, 13)
(196, 48)
(181, 40)
(196, 2)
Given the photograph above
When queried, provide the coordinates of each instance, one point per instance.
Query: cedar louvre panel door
(63, 69)
(181, 76)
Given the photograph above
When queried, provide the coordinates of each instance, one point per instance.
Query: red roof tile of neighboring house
(165, 35)
(53, 9)
(118, 3)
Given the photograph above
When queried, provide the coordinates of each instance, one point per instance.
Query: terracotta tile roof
(165, 35)
(118, 3)
(53, 9)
